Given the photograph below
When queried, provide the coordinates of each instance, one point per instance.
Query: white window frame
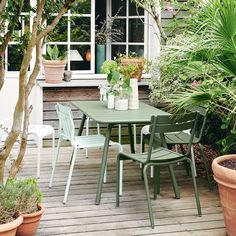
(127, 17)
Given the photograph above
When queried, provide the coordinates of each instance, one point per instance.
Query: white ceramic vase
(110, 101)
(133, 98)
(121, 104)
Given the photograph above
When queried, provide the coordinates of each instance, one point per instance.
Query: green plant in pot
(54, 63)
(119, 83)
(21, 198)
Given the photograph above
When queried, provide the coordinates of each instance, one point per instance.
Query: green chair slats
(67, 132)
(181, 138)
(162, 155)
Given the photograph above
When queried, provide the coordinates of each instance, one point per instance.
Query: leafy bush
(18, 196)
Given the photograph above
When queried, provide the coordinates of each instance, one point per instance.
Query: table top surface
(99, 112)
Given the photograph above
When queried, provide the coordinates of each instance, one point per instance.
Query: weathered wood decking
(80, 216)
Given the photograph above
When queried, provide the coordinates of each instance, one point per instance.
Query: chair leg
(148, 196)
(174, 182)
(152, 172)
(38, 160)
(118, 181)
(156, 180)
(185, 162)
(206, 166)
(195, 188)
(135, 138)
(55, 162)
(53, 148)
(105, 175)
(87, 133)
(119, 134)
(70, 175)
(193, 160)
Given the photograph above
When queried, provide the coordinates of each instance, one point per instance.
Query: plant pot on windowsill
(226, 179)
(9, 229)
(139, 62)
(54, 70)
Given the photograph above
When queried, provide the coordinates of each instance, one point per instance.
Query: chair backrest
(166, 124)
(66, 124)
(200, 127)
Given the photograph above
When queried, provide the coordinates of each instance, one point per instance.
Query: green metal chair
(162, 155)
(67, 132)
(182, 138)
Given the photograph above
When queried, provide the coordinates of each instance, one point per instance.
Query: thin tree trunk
(2, 165)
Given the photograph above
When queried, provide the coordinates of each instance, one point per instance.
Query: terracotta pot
(226, 179)
(54, 71)
(30, 223)
(9, 229)
(134, 61)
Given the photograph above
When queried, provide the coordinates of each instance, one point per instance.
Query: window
(75, 34)
(131, 21)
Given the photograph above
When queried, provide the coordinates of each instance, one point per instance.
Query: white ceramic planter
(133, 98)
(121, 104)
(110, 101)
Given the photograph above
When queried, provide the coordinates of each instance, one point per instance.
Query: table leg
(82, 125)
(103, 164)
(131, 140)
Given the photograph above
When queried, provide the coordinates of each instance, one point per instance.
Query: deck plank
(80, 216)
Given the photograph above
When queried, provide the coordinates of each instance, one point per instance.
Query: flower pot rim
(54, 61)
(223, 175)
(11, 225)
(41, 210)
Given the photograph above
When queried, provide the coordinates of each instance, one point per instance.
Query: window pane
(21, 28)
(116, 50)
(80, 57)
(136, 30)
(119, 6)
(120, 24)
(15, 56)
(80, 29)
(26, 6)
(138, 49)
(82, 7)
(59, 34)
(134, 11)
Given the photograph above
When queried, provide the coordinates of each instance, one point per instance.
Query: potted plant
(119, 83)
(54, 64)
(224, 169)
(133, 60)
(10, 218)
(20, 207)
(105, 32)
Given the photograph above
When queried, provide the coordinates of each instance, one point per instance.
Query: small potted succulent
(54, 63)
(20, 205)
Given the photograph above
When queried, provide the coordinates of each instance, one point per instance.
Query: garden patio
(80, 215)
(147, 84)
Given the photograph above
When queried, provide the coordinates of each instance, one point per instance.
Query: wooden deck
(80, 216)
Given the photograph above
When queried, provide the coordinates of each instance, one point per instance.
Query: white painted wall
(8, 99)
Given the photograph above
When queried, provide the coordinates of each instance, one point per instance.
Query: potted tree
(54, 63)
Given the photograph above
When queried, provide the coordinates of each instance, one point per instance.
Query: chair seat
(158, 155)
(87, 141)
(41, 130)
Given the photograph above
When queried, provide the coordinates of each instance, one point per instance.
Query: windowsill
(92, 80)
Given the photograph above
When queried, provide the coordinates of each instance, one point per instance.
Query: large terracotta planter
(226, 179)
(30, 223)
(54, 70)
(134, 61)
(9, 229)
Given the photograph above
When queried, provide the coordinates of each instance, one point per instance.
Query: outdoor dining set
(162, 133)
